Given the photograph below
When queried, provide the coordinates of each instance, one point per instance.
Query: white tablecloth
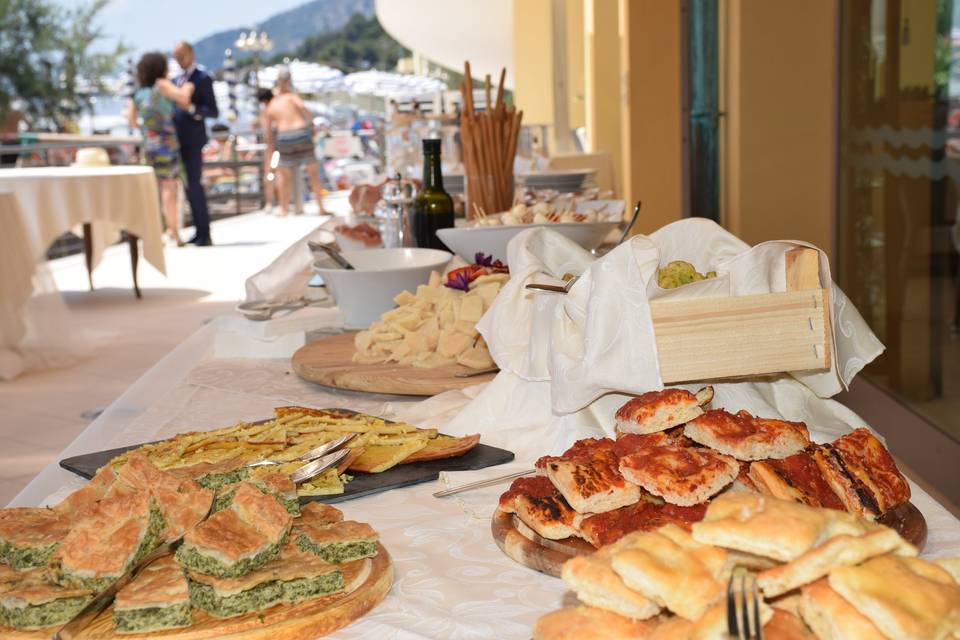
(451, 579)
(39, 205)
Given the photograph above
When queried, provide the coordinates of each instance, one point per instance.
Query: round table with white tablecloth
(38, 205)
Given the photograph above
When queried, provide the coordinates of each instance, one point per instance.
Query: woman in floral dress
(152, 105)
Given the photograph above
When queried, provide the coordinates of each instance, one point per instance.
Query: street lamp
(255, 42)
(230, 77)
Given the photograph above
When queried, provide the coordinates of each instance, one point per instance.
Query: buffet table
(451, 579)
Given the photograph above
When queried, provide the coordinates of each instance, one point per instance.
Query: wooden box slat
(703, 339)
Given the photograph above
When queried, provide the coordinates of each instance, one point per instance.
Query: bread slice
(746, 437)
(590, 623)
(592, 484)
(904, 597)
(680, 475)
(661, 410)
(839, 551)
(833, 618)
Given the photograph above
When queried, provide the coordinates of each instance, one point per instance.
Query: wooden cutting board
(303, 621)
(523, 545)
(330, 362)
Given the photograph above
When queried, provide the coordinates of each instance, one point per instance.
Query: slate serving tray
(363, 484)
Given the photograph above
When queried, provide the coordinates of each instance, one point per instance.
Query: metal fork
(743, 606)
(313, 454)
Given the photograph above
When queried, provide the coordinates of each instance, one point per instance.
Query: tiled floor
(40, 413)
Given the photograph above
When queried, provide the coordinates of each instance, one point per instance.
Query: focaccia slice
(904, 597)
(680, 475)
(660, 410)
(443, 447)
(747, 437)
(798, 478)
(839, 551)
(590, 623)
(158, 598)
(592, 484)
(379, 458)
(672, 571)
(338, 543)
(863, 474)
(33, 602)
(833, 618)
(777, 529)
(113, 536)
(28, 536)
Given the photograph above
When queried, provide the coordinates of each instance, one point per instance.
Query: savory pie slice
(379, 458)
(661, 410)
(774, 528)
(158, 598)
(550, 516)
(113, 536)
(337, 543)
(237, 540)
(747, 437)
(832, 617)
(680, 475)
(318, 514)
(28, 536)
(443, 447)
(277, 485)
(646, 515)
(293, 577)
(592, 484)
(669, 573)
(863, 473)
(82, 500)
(904, 597)
(797, 478)
(35, 603)
(839, 551)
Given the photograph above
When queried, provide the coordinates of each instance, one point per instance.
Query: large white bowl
(365, 292)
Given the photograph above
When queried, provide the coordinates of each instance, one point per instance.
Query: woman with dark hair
(153, 105)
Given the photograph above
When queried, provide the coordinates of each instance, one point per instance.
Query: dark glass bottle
(433, 208)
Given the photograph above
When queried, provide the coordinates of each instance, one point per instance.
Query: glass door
(703, 109)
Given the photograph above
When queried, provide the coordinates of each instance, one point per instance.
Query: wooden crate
(711, 338)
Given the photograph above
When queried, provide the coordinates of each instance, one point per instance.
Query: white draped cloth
(39, 205)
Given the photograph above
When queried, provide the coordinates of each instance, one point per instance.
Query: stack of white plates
(563, 180)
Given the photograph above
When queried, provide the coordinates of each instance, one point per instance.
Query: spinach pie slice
(35, 603)
(157, 599)
(239, 539)
(337, 543)
(115, 535)
(294, 577)
(277, 485)
(28, 536)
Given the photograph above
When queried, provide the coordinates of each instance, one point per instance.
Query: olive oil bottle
(433, 208)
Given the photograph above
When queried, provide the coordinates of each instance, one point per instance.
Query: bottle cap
(431, 145)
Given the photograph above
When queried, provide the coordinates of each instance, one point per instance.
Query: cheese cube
(471, 309)
(453, 343)
(404, 297)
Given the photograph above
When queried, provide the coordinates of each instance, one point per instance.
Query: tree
(48, 70)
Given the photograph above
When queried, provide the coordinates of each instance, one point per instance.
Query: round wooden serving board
(330, 362)
(302, 621)
(523, 545)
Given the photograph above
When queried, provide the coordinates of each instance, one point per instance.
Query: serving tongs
(313, 454)
(82, 620)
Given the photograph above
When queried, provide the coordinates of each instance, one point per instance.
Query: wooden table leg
(88, 251)
(132, 240)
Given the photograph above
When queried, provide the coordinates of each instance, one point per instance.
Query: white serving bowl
(492, 241)
(365, 292)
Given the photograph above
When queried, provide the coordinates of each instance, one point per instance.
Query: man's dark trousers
(193, 166)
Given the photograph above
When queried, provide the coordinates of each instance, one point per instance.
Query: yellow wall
(533, 60)
(574, 63)
(780, 90)
(602, 79)
(651, 117)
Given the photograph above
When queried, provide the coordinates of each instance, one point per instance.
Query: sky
(146, 25)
